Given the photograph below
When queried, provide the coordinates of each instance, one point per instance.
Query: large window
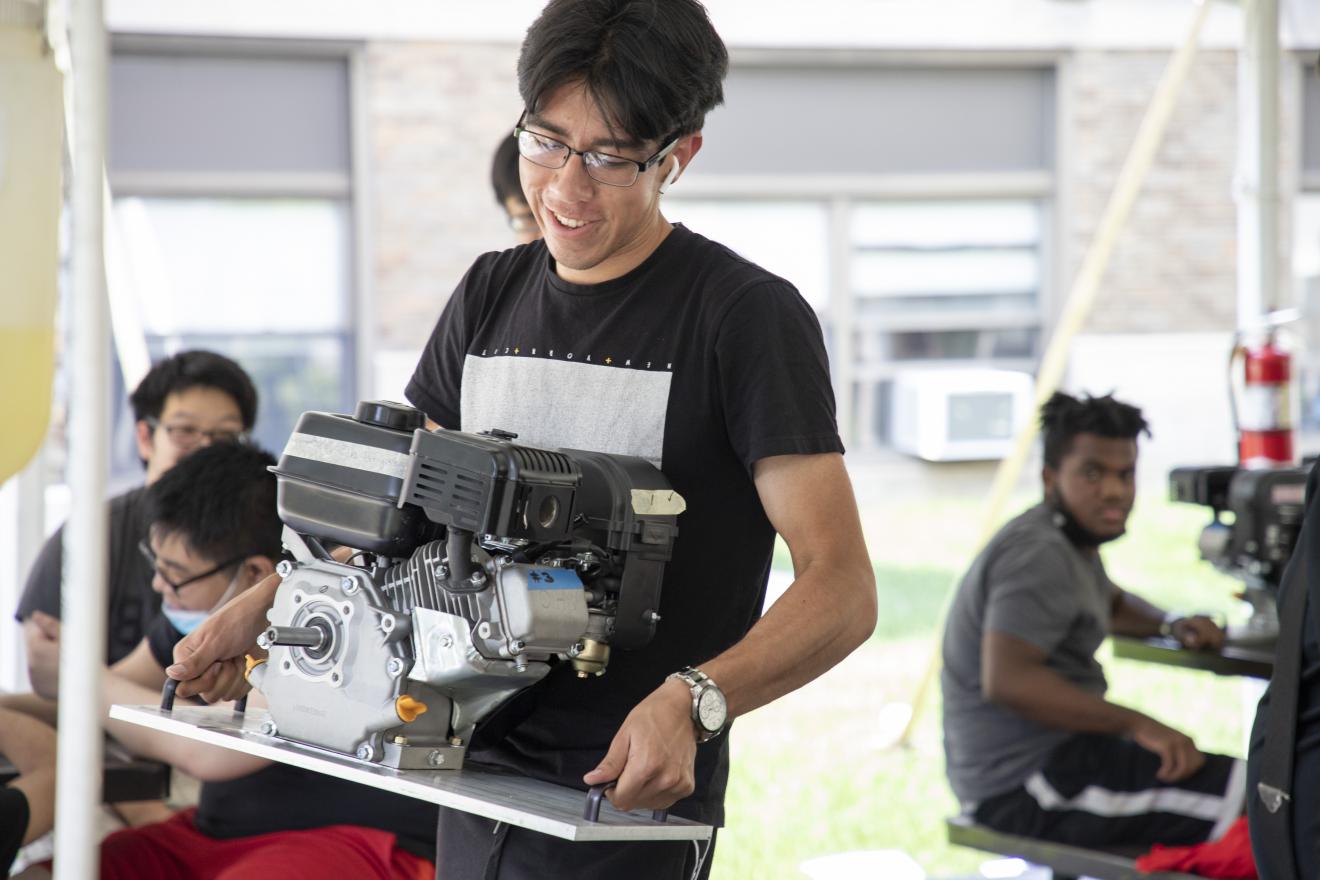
(233, 213)
(909, 205)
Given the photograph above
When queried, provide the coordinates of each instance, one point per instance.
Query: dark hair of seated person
(192, 369)
(1063, 417)
(504, 178)
(221, 501)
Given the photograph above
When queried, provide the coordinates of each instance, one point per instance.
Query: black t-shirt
(14, 817)
(697, 360)
(285, 798)
(132, 602)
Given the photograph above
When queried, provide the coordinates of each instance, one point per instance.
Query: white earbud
(672, 175)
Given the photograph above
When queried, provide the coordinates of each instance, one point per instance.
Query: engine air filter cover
(340, 479)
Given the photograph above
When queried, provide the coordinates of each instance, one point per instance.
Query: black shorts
(1097, 790)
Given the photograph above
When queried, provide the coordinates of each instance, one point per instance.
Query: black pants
(1099, 791)
(470, 847)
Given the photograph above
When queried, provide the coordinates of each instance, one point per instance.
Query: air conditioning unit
(959, 414)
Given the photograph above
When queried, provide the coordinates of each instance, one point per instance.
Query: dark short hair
(504, 172)
(654, 67)
(192, 369)
(221, 501)
(1063, 417)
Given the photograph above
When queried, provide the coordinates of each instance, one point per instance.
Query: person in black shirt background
(214, 532)
(183, 403)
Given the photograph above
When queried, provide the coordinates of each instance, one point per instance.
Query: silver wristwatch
(710, 712)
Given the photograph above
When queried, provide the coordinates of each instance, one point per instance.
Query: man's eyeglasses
(186, 436)
(144, 547)
(606, 168)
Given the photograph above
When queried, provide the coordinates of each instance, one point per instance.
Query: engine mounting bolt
(394, 667)
(436, 758)
(268, 728)
(455, 741)
(348, 585)
(365, 752)
(284, 569)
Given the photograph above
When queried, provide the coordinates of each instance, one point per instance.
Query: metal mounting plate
(525, 803)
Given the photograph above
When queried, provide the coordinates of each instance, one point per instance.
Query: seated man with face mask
(1032, 745)
(214, 533)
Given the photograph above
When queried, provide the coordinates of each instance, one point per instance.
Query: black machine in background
(1256, 542)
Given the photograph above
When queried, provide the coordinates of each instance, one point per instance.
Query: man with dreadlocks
(1032, 746)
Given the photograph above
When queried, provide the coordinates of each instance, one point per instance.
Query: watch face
(712, 711)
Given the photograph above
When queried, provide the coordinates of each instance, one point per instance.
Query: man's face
(594, 231)
(1096, 481)
(189, 420)
(176, 563)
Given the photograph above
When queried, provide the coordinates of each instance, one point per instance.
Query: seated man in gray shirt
(1032, 746)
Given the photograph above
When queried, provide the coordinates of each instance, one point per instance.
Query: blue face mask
(186, 620)
(182, 619)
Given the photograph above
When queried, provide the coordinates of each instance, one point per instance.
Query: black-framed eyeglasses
(144, 547)
(606, 168)
(187, 436)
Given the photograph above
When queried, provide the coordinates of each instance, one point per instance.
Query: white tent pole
(78, 790)
(1257, 188)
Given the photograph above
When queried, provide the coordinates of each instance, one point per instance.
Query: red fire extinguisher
(1263, 414)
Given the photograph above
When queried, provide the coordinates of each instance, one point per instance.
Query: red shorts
(176, 850)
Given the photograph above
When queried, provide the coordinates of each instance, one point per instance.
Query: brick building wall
(435, 112)
(1174, 267)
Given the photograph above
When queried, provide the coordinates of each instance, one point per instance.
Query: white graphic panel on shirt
(568, 404)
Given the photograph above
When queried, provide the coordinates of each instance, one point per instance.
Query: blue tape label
(553, 579)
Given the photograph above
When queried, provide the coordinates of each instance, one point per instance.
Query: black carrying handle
(172, 685)
(597, 793)
(167, 694)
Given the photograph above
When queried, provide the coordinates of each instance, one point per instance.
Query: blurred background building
(301, 184)
(302, 191)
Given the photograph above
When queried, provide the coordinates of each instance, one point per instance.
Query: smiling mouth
(569, 222)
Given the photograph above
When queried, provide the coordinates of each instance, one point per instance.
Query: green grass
(816, 772)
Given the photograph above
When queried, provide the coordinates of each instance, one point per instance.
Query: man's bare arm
(137, 680)
(44, 710)
(828, 611)
(1132, 615)
(42, 641)
(209, 660)
(1014, 675)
